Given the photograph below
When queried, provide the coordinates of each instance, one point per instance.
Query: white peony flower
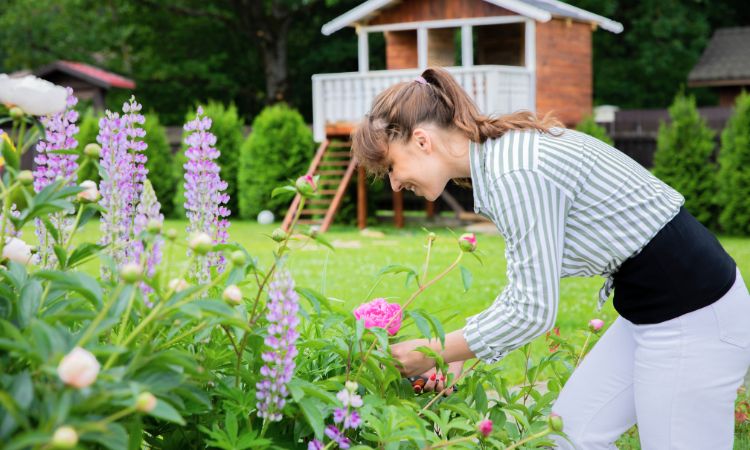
(33, 95)
(178, 284)
(17, 250)
(79, 368)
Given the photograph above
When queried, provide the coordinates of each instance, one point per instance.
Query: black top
(682, 269)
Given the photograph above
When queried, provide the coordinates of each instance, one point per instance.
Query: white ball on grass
(265, 217)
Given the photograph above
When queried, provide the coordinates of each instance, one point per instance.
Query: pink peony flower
(468, 242)
(596, 325)
(78, 368)
(378, 313)
(485, 427)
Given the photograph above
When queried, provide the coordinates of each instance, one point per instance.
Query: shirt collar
(478, 176)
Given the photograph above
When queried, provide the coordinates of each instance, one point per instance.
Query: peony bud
(306, 185)
(145, 403)
(131, 272)
(25, 177)
(154, 226)
(78, 368)
(201, 243)
(16, 113)
(485, 427)
(177, 284)
(232, 294)
(171, 234)
(17, 250)
(555, 422)
(351, 386)
(90, 194)
(468, 242)
(278, 235)
(596, 325)
(431, 237)
(64, 437)
(93, 151)
(238, 258)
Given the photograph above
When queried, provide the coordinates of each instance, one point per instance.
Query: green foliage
(590, 127)
(228, 127)
(280, 147)
(159, 164)
(88, 129)
(734, 171)
(683, 160)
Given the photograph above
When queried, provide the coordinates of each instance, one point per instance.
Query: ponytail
(435, 98)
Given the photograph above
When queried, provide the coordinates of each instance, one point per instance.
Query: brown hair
(437, 98)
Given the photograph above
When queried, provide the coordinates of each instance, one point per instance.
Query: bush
(280, 147)
(159, 163)
(734, 170)
(588, 126)
(683, 159)
(228, 126)
(88, 129)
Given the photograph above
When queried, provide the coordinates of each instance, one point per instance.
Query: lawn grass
(348, 274)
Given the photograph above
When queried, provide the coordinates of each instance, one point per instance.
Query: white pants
(677, 380)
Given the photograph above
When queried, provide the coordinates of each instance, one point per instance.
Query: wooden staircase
(335, 166)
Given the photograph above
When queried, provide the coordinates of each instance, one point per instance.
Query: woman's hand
(412, 362)
(415, 363)
(437, 381)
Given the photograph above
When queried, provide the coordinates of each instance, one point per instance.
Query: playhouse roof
(541, 10)
(94, 75)
(725, 61)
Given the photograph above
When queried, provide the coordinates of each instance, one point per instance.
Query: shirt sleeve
(529, 211)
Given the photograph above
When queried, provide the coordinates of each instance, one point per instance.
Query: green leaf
(396, 269)
(480, 398)
(83, 252)
(315, 298)
(84, 284)
(284, 191)
(312, 410)
(422, 324)
(11, 156)
(62, 256)
(114, 438)
(164, 410)
(28, 302)
(466, 277)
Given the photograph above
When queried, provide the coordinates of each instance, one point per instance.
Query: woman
(568, 204)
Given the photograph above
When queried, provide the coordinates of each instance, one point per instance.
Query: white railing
(343, 98)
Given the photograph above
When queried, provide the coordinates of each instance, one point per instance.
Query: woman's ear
(422, 140)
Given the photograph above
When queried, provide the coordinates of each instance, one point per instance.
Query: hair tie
(420, 79)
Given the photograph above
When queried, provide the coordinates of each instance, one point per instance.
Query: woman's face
(417, 166)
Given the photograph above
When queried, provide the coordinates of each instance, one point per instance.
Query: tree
(683, 159)
(734, 170)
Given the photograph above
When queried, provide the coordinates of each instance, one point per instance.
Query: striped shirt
(567, 205)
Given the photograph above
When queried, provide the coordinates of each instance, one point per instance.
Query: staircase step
(312, 212)
(330, 172)
(319, 201)
(339, 144)
(339, 154)
(334, 163)
(308, 221)
(334, 181)
(327, 192)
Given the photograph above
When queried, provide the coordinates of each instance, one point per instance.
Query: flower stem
(529, 438)
(73, 229)
(455, 382)
(583, 350)
(123, 323)
(99, 317)
(408, 302)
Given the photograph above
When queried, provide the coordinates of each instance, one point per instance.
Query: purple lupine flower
(115, 189)
(205, 198)
(337, 436)
(60, 130)
(283, 305)
(148, 209)
(134, 134)
(353, 420)
(315, 445)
